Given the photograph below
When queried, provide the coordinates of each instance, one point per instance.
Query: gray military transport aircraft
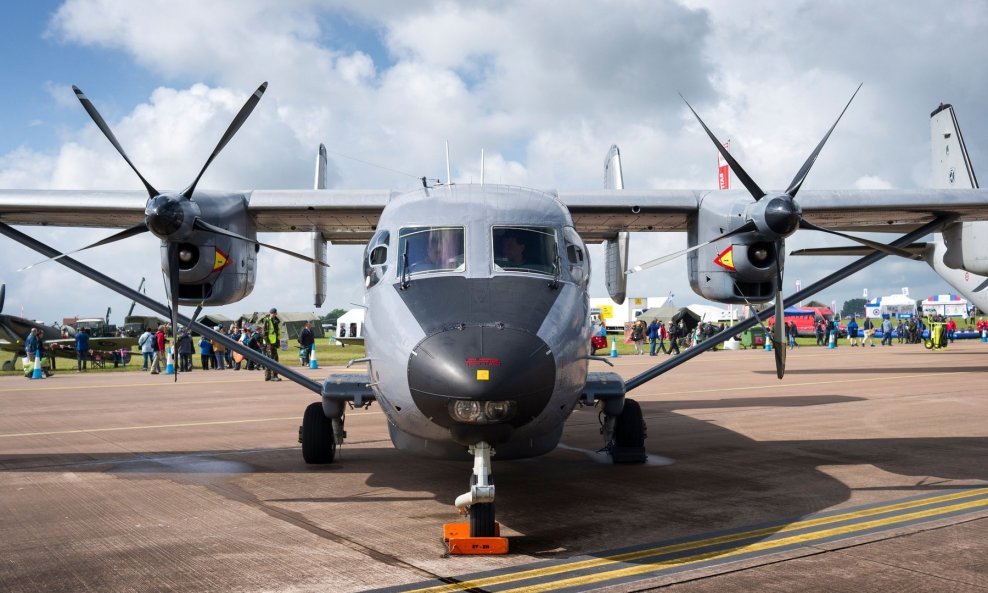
(477, 318)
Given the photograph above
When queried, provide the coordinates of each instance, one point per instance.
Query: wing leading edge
(350, 216)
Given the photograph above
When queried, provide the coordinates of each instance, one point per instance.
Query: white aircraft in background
(477, 321)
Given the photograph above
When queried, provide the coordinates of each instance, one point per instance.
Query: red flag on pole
(723, 169)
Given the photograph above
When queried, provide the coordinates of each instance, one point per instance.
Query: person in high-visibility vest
(272, 340)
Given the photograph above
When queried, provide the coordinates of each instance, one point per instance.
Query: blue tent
(797, 312)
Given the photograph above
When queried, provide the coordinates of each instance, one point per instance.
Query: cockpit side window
(525, 249)
(376, 258)
(431, 249)
(576, 256)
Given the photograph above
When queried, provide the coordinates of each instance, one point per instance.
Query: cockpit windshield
(431, 249)
(525, 249)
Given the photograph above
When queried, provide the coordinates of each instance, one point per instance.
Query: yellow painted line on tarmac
(637, 555)
(764, 546)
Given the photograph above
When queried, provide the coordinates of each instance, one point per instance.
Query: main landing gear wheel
(629, 435)
(318, 444)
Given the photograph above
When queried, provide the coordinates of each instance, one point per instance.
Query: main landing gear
(320, 434)
(624, 433)
(482, 535)
(622, 424)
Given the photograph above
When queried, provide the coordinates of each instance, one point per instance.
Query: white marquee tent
(896, 306)
(948, 305)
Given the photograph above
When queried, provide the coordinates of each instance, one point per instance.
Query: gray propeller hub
(776, 217)
(170, 216)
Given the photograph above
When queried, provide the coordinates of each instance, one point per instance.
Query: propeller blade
(202, 225)
(749, 183)
(978, 288)
(822, 284)
(797, 181)
(779, 339)
(173, 293)
(98, 120)
(137, 229)
(887, 249)
(3, 295)
(238, 121)
(745, 228)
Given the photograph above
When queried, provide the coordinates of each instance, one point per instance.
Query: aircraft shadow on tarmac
(563, 503)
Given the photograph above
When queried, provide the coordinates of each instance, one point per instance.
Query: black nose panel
(481, 362)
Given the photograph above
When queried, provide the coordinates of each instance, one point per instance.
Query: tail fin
(322, 164)
(951, 164)
(952, 170)
(615, 249)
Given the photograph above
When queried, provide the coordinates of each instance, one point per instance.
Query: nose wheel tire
(482, 522)
(318, 444)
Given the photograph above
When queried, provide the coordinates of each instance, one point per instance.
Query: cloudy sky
(543, 87)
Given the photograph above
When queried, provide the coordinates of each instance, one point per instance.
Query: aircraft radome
(477, 318)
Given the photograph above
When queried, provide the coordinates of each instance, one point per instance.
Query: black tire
(629, 431)
(482, 522)
(318, 445)
(928, 344)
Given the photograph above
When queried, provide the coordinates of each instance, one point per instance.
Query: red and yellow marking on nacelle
(726, 259)
(220, 260)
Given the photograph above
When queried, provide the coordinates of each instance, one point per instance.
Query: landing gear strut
(482, 534)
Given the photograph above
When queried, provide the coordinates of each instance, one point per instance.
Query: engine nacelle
(735, 270)
(216, 269)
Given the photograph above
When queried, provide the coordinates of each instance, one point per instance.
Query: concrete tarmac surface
(865, 469)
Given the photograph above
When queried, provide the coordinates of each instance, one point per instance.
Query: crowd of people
(671, 337)
(667, 338)
(263, 337)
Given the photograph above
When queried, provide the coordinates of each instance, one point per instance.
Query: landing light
(478, 412)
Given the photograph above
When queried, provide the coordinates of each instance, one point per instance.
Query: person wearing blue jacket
(81, 349)
(852, 331)
(206, 353)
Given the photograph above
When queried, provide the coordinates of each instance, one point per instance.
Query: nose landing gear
(482, 535)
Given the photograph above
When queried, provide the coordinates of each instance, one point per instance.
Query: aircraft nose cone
(164, 215)
(782, 215)
(485, 363)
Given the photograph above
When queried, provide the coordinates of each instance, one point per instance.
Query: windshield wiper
(557, 268)
(403, 282)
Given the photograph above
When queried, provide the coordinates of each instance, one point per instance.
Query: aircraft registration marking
(707, 550)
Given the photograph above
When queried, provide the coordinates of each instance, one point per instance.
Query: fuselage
(962, 281)
(477, 319)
